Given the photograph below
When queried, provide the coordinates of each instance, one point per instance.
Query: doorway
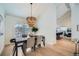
(63, 29)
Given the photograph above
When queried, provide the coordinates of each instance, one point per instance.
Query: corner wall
(47, 24)
(75, 20)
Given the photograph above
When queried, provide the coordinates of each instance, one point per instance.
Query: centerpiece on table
(34, 30)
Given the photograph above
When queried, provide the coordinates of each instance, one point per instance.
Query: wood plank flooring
(61, 48)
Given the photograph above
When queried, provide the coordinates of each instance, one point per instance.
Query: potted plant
(34, 29)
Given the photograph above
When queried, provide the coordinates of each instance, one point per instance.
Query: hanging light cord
(31, 9)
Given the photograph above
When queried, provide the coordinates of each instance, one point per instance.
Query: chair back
(39, 40)
(30, 42)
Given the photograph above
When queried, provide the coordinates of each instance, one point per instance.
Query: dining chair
(29, 44)
(40, 41)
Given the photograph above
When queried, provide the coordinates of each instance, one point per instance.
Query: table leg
(35, 43)
(43, 39)
(16, 49)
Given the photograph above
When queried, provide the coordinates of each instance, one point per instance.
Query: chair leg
(43, 39)
(35, 43)
(23, 50)
(39, 45)
(32, 48)
(43, 42)
(14, 51)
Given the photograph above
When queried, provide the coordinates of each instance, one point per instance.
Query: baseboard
(52, 42)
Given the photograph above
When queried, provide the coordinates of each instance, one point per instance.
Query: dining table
(20, 43)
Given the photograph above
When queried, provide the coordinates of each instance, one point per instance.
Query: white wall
(75, 20)
(11, 21)
(47, 24)
(2, 38)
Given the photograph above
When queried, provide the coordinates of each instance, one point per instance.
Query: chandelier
(31, 20)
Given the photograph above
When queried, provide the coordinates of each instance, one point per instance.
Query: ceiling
(24, 9)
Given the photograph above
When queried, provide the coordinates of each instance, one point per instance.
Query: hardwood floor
(61, 48)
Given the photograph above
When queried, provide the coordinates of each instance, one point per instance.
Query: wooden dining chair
(40, 41)
(29, 44)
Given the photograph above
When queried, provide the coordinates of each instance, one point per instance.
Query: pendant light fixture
(31, 20)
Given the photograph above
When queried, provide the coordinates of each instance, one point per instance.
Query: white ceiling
(24, 9)
(17, 9)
